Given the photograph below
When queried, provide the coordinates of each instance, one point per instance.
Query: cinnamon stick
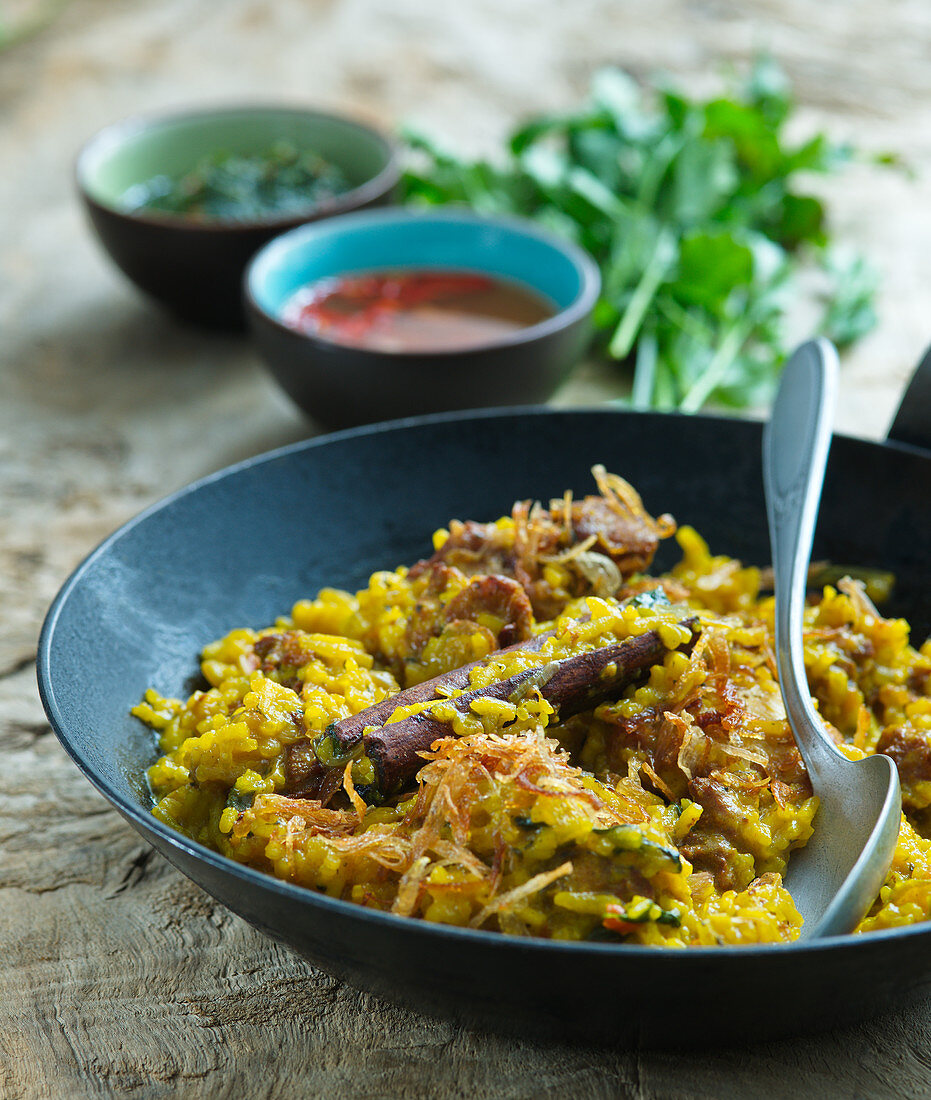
(307, 777)
(570, 685)
(347, 733)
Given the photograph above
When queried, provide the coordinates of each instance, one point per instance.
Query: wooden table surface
(117, 975)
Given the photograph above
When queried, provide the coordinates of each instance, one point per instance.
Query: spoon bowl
(836, 876)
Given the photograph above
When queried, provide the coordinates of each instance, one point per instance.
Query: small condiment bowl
(340, 386)
(195, 267)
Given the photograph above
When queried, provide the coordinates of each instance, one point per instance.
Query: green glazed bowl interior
(134, 151)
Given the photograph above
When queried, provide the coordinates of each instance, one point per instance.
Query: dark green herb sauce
(280, 181)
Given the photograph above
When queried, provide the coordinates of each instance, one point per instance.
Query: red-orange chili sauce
(425, 310)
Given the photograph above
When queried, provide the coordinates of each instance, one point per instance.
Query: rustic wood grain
(117, 976)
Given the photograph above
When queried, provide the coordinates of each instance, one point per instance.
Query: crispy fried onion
(692, 746)
(469, 784)
(539, 533)
(656, 780)
(603, 576)
(508, 900)
(855, 590)
(458, 773)
(695, 748)
(755, 756)
(302, 817)
(623, 497)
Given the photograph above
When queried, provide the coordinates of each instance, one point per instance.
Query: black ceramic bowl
(340, 386)
(195, 268)
(332, 510)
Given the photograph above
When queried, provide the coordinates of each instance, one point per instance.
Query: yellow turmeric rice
(663, 815)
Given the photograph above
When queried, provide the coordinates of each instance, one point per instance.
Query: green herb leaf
(692, 209)
(849, 313)
(711, 265)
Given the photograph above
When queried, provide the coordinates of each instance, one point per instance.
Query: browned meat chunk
(280, 655)
(701, 753)
(496, 607)
(501, 598)
(303, 772)
(473, 548)
(628, 538)
(714, 855)
(612, 529)
(911, 750)
(430, 613)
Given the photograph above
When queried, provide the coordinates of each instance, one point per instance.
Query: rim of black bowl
(115, 133)
(581, 305)
(138, 813)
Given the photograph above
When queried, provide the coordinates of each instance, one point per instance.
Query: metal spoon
(837, 875)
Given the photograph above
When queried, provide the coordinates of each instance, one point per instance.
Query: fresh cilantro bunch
(692, 209)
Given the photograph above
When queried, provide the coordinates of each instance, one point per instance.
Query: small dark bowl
(195, 268)
(341, 386)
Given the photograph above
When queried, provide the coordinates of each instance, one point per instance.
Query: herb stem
(645, 370)
(703, 386)
(626, 332)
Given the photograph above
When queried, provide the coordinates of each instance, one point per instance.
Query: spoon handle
(796, 442)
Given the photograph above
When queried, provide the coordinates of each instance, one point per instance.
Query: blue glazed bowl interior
(405, 239)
